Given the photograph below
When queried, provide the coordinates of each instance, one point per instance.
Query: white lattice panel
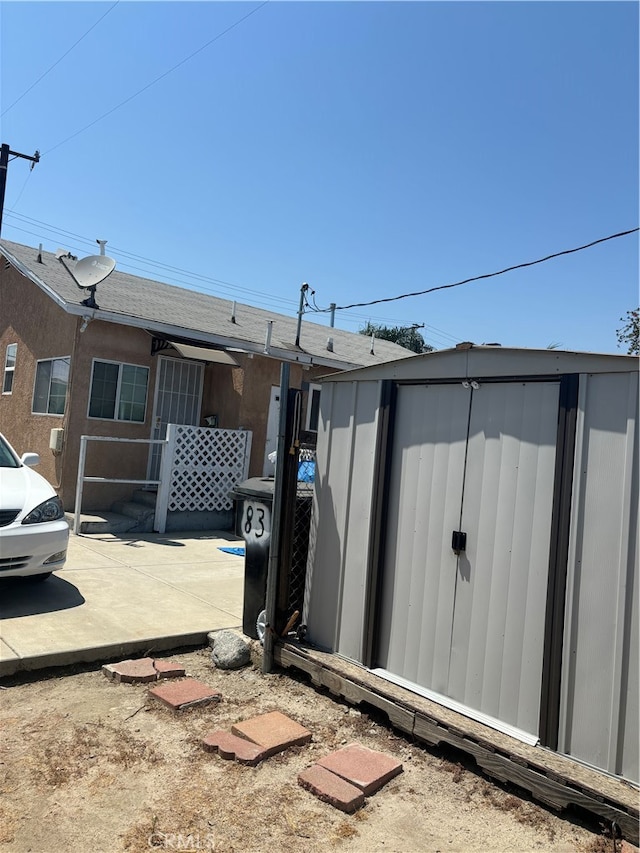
(206, 465)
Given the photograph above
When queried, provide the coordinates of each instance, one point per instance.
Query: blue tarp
(306, 471)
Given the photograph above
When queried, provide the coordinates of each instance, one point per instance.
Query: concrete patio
(122, 595)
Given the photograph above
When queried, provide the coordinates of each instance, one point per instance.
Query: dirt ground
(90, 765)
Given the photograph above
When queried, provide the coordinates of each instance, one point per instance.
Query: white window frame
(313, 386)
(35, 380)
(9, 371)
(115, 417)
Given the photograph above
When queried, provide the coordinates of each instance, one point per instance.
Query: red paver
(273, 732)
(169, 669)
(627, 847)
(185, 693)
(331, 788)
(229, 746)
(131, 671)
(365, 768)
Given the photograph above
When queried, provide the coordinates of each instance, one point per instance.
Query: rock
(230, 650)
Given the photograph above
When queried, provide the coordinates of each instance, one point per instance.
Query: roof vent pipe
(330, 344)
(373, 338)
(102, 244)
(40, 253)
(267, 339)
(233, 312)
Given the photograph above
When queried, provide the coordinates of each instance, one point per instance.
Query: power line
(222, 284)
(130, 255)
(75, 44)
(348, 318)
(26, 181)
(486, 275)
(157, 79)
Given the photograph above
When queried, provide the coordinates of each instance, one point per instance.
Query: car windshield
(7, 459)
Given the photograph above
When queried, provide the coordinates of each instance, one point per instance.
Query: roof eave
(168, 330)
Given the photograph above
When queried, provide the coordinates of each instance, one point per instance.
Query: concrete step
(142, 515)
(103, 522)
(140, 496)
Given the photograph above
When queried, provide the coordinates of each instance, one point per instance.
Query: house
(475, 540)
(149, 355)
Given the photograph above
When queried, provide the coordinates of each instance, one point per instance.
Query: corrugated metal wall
(498, 630)
(339, 538)
(471, 627)
(425, 496)
(599, 701)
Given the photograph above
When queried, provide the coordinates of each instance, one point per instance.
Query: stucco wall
(41, 330)
(239, 396)
(110, 342)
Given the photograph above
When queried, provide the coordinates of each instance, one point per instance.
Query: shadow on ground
(26, 597)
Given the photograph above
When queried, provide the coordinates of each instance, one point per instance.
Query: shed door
(471, 627)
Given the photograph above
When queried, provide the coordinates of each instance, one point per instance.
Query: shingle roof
(167, 310)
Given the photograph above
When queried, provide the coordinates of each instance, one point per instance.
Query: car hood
(23, 489)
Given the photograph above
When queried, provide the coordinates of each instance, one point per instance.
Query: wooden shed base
(553, 779)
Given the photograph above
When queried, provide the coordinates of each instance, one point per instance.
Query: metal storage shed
(475, 539)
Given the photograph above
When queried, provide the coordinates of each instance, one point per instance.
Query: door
(177, 401)
(273, 421)
(470, 626)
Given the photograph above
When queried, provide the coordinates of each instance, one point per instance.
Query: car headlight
(50, 510)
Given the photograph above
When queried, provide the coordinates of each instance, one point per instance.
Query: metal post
(276, 523)
(79, 484)
(303, 290)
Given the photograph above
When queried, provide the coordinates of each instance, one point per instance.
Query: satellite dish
(89, 272)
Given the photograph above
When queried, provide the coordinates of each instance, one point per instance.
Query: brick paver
(365, 768)
(229, 746)
(131, 671)
(169, 669)
(142, 670)
(273, 732)
(331, 788)
(184, 694)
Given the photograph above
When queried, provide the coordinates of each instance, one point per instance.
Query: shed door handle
(458, 541)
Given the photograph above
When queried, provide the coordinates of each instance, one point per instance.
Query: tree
(405, 336)
(628, 334)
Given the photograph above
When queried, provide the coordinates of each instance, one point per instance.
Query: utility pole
(5, 153)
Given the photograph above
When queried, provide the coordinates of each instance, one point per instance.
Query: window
(118, 391)
(50, 392)
(9, 368)
(313, 408)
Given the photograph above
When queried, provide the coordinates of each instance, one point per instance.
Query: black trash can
(254, 499)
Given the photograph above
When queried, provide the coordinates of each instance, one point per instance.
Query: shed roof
(471, 361)
(178, 313)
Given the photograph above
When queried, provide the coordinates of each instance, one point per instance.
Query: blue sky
(368, 148)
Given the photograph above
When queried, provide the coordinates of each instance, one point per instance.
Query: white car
(33, 530)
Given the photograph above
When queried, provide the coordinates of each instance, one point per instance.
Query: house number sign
(256, 522)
